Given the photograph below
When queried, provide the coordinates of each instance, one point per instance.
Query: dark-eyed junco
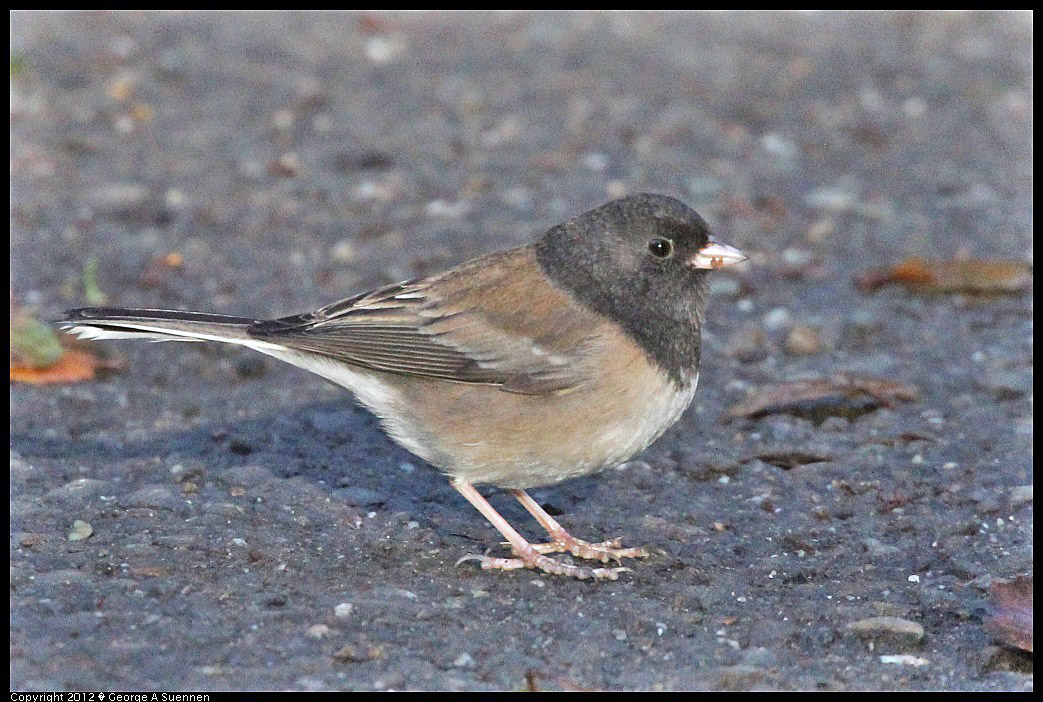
(517, 369)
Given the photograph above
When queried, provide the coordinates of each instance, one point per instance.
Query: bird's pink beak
(716, 255)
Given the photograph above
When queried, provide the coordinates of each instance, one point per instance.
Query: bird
(517, 369)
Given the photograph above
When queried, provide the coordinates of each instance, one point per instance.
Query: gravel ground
(251, 528)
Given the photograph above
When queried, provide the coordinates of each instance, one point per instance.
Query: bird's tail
(161, 325)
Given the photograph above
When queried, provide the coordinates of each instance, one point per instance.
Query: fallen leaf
(40, 357)
(791, 458)
(938, 276)
(34, 344)
(895, 500)
(823, 395)
(1011, 619)
(74, 366)
(358, 653)
(30, 540)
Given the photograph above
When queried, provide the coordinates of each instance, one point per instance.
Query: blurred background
(312, 155)
(877, 167)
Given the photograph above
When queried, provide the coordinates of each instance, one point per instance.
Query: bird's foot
(564, 542)
(536, 560)
(528, 556)
(603, 551)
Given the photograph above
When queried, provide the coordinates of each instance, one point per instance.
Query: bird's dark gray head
(640, 260)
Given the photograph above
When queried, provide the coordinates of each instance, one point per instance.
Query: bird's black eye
(661, 248)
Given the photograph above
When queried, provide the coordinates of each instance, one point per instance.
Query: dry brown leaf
(835, 390)
(74, 366)
(789, 458)
(1011, 620)
(40, 356)
(358, 653)
(938, 276)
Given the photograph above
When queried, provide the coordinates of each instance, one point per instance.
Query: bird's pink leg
(563, 541)
(527, 554)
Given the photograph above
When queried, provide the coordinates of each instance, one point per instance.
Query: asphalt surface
(250, 528)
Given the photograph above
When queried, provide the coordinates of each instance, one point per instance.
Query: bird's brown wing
(494, 321)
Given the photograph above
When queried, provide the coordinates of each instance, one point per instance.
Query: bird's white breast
(648, 423)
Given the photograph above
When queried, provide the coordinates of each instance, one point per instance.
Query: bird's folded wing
(438, 328)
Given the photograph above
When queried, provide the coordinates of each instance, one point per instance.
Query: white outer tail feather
(370, 390)
(143, 331)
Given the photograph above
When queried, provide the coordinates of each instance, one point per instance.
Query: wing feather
(440, 328)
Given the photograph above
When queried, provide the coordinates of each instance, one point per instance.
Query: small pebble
(779, 146)
(831, 200)
(892, 631)
(450, 210)
(80, 530)
(803, 341)
(120, 198)
(187, 469)
(878, 549)
(382, 51)
(746, 344)
(778, 318)
(595, 161)
(797, 258)
(344, 251)
(904, 659)
(464, 660)
(820, 229)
